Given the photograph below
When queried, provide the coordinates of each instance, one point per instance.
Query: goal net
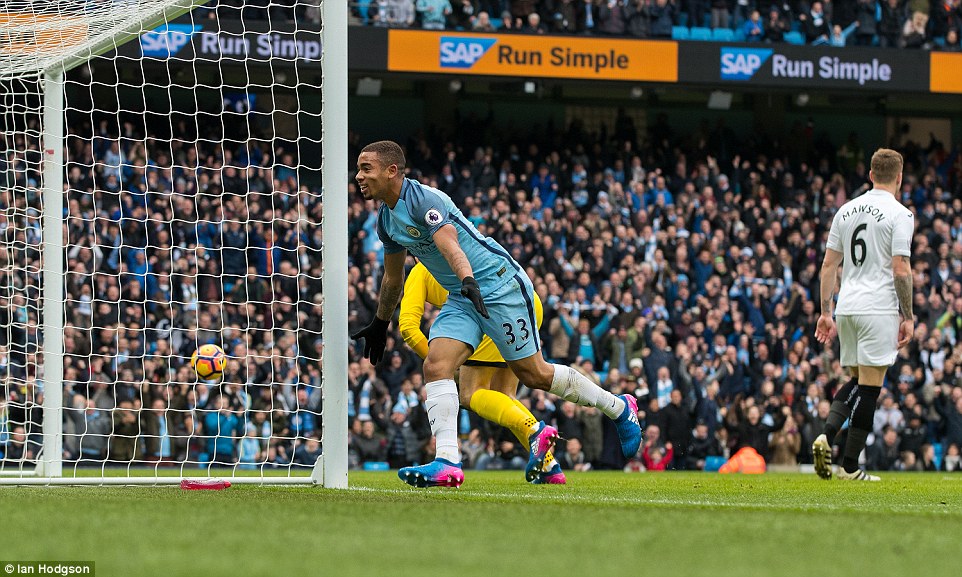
(161, 188)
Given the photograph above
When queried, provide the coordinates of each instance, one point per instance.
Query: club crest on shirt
(433, 217)
(414, 232)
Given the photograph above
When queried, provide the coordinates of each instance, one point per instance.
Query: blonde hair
(886, 166)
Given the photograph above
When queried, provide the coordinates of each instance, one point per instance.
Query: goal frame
(331, 468)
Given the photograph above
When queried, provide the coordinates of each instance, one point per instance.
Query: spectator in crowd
(158, 432)
(662, 17)
(952, 461)
(404, 440)
(463, 14)
(573, 458)
(914, 436)
(17, 447)
(483, 23)
(915, 31)
(678, 427)
(510, 23)
(943, 16)
(564, 16)
(883, 454)
(927, 462)
(124, 444)
(368, 445)
(393, 13)
(657, 458)
(866, 22)
(307, 453)
(703, 445)
(502, 452)
(638, 18)
(222, 427)
(839, 37)
(585, 341)
(93, 427)
(433, 13)
(697, 11)
(951, 43)
(749, 430)
(249, 449)
(520, 9)
(949, 407)
(720, 15)
(786, 441)
(753, 27)
(815, 23)
(888, 414)
(776, 26)
(611, 17)
(534, 25)
(891, 23)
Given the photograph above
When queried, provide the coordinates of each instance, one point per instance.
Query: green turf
(599, 524)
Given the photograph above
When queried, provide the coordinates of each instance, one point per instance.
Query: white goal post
(163, 177)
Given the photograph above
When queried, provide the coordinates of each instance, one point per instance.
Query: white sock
(572, 386)
(442, 407)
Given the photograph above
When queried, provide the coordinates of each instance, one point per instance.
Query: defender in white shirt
(871, 238)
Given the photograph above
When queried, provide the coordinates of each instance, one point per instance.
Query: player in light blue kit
(489, 294)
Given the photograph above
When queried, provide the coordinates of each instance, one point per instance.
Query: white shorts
(868, 340)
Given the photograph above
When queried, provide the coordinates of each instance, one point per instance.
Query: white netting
(192, 215)
(20, 264)
(35, 34)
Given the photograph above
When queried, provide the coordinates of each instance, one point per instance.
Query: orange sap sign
(944, 73)
(532, 56)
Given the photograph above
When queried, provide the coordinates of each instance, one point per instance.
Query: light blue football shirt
(419, 213)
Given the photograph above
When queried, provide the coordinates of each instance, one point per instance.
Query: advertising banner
(946, 72)
(227, 41)
(532, 56)
(811, 67)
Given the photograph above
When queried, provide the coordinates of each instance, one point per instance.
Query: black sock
(862, 414)
(841, 410)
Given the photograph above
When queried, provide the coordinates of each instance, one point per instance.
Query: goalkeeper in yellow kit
(486, 386)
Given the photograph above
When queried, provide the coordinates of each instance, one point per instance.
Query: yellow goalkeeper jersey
(419, 288)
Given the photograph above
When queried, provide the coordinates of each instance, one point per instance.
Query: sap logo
(742, 63)
(167, 40)
(463, 52)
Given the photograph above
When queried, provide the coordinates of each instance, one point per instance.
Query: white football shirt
(869, 231)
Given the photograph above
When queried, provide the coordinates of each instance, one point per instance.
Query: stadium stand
(694, 264)
(694, 272)
(886, 23)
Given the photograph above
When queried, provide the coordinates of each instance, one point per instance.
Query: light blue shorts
(512, 327)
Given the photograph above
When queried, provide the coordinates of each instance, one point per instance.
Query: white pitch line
(640, 501)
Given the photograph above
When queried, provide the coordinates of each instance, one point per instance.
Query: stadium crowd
(170, 245)
(926, 24)
(680, 268)
(893, 23)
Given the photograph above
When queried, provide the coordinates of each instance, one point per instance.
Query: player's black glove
(471, 291)
(375, 339)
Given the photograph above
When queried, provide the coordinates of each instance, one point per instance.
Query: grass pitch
(599, 524)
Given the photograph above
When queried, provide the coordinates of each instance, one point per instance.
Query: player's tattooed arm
(391, 285)
(828, 277)
(903, 285)
(446, 239)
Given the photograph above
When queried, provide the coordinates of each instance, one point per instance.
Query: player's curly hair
(388, 152)
(886, 166)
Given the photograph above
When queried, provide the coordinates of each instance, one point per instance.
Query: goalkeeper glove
(471, 291)
(375, 339)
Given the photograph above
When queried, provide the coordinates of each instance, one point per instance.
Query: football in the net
(209, 362)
